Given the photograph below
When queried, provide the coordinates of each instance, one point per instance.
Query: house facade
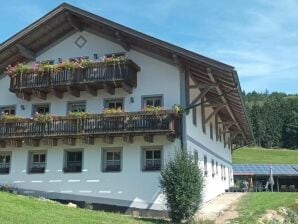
(92, 114)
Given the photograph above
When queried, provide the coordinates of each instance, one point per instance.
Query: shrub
(182, 183)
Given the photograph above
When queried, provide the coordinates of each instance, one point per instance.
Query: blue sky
(258, 37)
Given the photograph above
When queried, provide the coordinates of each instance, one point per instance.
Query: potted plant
(155, 116)
(178, 109)
(113, 119)
(42, 118)
(78, 119)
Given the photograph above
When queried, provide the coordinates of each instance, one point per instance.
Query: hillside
(259, 156)
(24, 210)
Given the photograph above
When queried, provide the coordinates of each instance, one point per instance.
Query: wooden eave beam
(122, 41)
(109, 88)
(74, 91)
(226, 122)
(202, 86)
(92, 90)
(177, 61)
(201, 95)
(209, 72)
(25, 52)
(126, 87)
(214, 112)
(74, 22)
(215, 104)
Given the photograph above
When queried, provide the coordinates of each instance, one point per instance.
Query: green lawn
(253, 205)
(16, 209)
(259, 155)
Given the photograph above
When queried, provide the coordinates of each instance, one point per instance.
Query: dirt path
(221, 209)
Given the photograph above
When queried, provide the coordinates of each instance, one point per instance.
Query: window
(196, 156)
(224, 172)
(219, 133)
(41, 109)
(205, 166)
(194, 116)
(216, 168)
(114, 104)
(155, 101)
(152, 159)
(213, 169)
(211, 131)
(112, 160)
(8, 110)
(46, 62)
(118, 54)
(76, 107)
(37, 162)
(79, 58)
(4, 163)
(73, 161)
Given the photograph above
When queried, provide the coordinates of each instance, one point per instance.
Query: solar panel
(264, 169)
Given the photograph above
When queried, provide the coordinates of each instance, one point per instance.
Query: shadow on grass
(155, 221)
(161, 221)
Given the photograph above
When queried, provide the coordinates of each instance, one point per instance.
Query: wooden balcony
(100, 75)
(126, 125)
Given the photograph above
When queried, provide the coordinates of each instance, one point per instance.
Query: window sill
(111, 171)
(151, 170)
(71, 170)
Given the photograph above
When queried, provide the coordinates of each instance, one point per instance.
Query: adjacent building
(96, 109)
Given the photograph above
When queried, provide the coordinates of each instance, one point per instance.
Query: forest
(274, 118)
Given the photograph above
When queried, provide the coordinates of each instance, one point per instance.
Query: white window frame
(76, 104)
(5, 164)
(115, 101)
(44, 105)
(67, 168)
(114, 162)
(7, 107)
(153, 98)
(37, 165)
(153, 160)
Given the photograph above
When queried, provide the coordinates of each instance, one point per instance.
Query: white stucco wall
(131, 184)
(155, 78)
(200, 141)
(139, 188)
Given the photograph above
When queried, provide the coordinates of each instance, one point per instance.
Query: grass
(16, 209)
(259, 156)
(253, 205)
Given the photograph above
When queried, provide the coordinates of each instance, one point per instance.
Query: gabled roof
(66, 19)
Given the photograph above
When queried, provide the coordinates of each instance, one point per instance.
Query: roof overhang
(67, 19)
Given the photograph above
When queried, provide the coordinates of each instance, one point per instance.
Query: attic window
(46, 62)
(79, 58)
(119, 54)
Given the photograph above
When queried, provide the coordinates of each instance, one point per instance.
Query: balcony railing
(133, 123)
(97, 75)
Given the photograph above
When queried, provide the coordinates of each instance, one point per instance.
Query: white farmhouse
(90, 116)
